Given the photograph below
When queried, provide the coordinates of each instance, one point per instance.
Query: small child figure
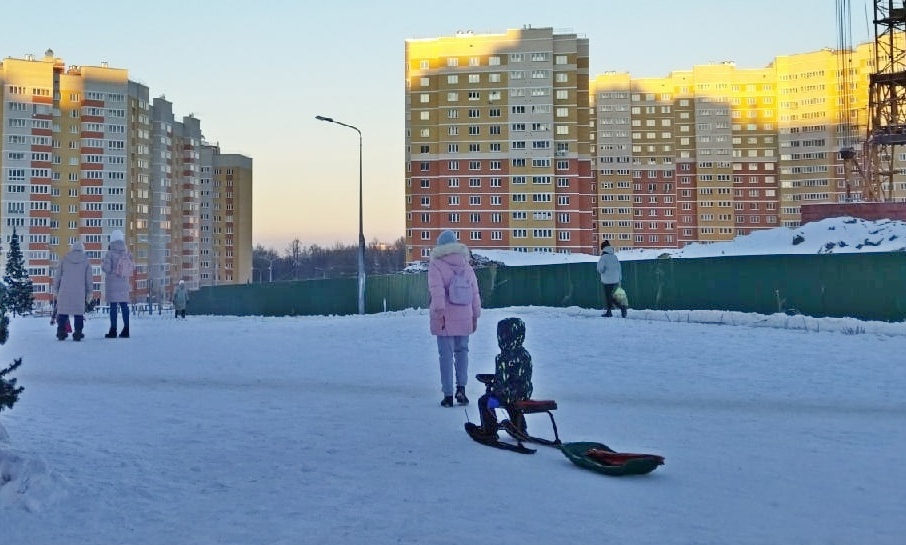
(512, 380)
(53, 318)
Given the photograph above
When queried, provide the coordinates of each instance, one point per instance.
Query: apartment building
(498, 142)
(84, 153)
(698, 155)
(227, 233)
(707, 154)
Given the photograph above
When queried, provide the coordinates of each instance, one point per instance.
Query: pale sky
(257, 73)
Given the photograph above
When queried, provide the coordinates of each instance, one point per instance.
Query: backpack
(460, 290)
(124, 266)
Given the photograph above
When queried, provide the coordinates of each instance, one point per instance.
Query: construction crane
(853, 174)
(886, 101)
(886, 98)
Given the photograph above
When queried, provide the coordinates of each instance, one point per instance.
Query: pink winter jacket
(447, 319)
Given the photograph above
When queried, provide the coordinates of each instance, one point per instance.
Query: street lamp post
(270, 269)
(361, 231)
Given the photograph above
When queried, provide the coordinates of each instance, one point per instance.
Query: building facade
(86, 152)
(699, 155)
(498, 142)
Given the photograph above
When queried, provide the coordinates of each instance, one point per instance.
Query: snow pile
(832, 235)
(26, 482)
(828, 236)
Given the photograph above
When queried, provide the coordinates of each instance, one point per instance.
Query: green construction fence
(869, 286)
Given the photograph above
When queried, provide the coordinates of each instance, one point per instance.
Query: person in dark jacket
(512, 376)
(72, 285)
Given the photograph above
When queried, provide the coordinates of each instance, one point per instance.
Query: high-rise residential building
(699, 155)
(226, 247)
(498, 142)
(84, 153)
(707, 154)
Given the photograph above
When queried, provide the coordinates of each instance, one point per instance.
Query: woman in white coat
(72, 284)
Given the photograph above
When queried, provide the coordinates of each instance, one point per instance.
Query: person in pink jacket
(452, 321)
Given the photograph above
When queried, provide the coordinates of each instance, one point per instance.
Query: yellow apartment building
(498, 142)
(86, 152)
(698, 155)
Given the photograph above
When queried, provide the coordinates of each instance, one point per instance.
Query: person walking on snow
(180, 299)
(452, 321)
(72, 284)
(116, 287)
(611, 274)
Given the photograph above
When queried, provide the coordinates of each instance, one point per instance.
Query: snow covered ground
(230, 430)
(776, 429)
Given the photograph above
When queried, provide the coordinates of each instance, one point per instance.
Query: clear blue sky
(257, 74)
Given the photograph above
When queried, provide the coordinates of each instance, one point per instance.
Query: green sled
(612, 463)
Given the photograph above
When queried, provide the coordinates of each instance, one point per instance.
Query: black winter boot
(77, 336)
(461, 395)
(124, 334)
(447, 401)
(111, 334)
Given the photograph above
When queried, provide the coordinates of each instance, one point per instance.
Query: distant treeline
(299, 262)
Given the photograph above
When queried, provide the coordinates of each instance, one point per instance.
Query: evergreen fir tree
(18, 297)
(9, 393)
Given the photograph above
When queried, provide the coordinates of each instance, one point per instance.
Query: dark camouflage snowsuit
(513, 373)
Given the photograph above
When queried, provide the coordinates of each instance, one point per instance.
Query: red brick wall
(862, 210)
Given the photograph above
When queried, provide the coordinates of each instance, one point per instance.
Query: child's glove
(493, 402)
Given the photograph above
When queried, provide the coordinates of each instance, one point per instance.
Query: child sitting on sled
(512, 379)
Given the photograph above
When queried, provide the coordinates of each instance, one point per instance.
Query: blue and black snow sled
(589, 455)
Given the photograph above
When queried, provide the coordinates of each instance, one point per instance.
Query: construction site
(870, 158)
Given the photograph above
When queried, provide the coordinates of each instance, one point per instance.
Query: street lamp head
(322, 118)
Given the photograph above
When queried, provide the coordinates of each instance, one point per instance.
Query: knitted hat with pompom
(446, 237)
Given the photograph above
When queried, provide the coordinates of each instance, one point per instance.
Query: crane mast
(886, 100)
(847, 122)
(869, 169)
